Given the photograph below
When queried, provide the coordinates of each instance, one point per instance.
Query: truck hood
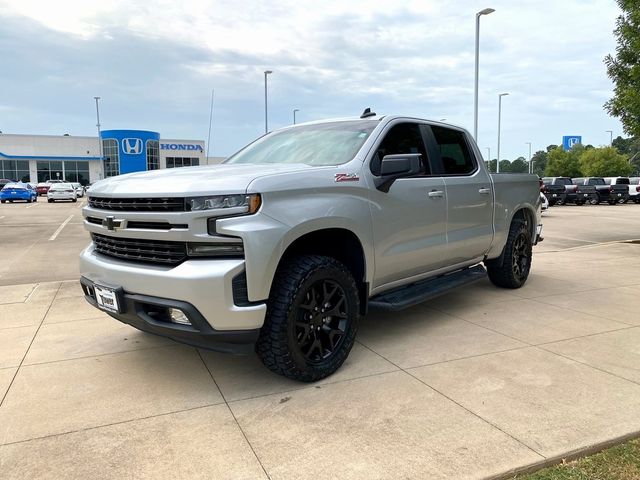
(189, 181)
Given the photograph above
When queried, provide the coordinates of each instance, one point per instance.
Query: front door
(409, 221)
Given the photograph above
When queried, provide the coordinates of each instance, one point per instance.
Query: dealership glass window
(111, 157)
(175, 162)
(77, 172)
(49, 171)
(153, 154)
(15, 170)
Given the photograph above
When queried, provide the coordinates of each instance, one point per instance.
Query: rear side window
(401, 138)
(456, 158)
(596, 181)
(622, 181)
(563, 181)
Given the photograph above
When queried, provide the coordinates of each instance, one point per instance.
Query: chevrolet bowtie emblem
(111, 223)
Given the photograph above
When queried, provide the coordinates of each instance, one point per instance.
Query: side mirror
(394, 167)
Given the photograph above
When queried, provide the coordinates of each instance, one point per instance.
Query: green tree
(505, 166)
(624, 68)
(539, 160)
(491, 165)
(561, 163)
(604, 162)
(519, 165)
(631, 148)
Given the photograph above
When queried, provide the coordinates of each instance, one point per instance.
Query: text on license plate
(106, 298)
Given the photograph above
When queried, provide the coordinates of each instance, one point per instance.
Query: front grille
(139, 250)
(166, 204)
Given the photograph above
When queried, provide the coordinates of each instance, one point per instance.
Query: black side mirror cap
(398, 166)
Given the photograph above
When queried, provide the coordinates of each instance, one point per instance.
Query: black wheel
(595, 199)
(312, 318)
(580, 203)
(612, 202)
(29, 200)
(516, 258)
(2, 201)
(49, 200)
(74, 200)
(35, 199)
(623, 200)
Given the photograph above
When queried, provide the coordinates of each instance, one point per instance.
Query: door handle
(436, 193)
(484, 191)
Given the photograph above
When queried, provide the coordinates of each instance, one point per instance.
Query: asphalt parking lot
(475, 384)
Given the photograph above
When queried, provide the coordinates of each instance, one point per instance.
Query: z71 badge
(346, 177)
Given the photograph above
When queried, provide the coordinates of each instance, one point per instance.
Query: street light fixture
(610, 132)
(530, 169)
(98, 125)
(266, 119)
(294, 115)
(486, 11)
(499, 125)
(210, 118)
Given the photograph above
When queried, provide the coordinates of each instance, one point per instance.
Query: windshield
(322, 144)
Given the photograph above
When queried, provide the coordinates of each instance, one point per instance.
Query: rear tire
(49, 200)
(74, 200)
(312, 318)
(594, 200)
(2, 201)
(516, 258)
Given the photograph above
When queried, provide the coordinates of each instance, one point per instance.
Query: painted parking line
(62, 225)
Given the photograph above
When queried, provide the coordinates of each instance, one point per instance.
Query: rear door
(469, 194)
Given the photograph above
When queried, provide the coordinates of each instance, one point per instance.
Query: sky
(155, 64)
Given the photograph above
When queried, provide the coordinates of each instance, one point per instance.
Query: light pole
(499, 125)
(210, 118)
(486, 11)
(294, 115)
(488, 159)
(99, 139)
(610, 132)
(530, 169)
(266, 119)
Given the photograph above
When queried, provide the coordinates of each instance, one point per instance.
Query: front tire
(49, 200)
(312, 318)
(516, 258)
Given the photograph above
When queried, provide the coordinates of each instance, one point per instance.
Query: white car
(79, 189)
(634, 189)
(544, 201)
(61, 191)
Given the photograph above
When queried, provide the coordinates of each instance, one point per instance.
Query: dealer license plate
(107, 298)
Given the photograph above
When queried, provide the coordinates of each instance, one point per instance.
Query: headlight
(242, 204)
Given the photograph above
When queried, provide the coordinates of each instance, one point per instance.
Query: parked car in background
(611, 194)
(43, 187)
(556, 194)
(578, 194)
(61, 191)
(544, 202)
(619, 181)
(79, 189)
(4, 181)
(19, 191)
(634, 189)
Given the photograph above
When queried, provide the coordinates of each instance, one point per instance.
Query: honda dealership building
(37, 158)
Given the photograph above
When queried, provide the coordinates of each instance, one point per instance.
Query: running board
(415, 293)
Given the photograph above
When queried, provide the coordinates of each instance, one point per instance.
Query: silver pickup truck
(283, 248)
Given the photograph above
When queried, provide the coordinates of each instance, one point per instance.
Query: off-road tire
(508, 275)
(278, 344)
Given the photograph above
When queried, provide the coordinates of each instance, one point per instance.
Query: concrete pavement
(475, 384)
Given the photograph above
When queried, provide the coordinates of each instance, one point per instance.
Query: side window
(401, 138)
(456, 158)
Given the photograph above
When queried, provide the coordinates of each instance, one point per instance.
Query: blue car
(18, 191)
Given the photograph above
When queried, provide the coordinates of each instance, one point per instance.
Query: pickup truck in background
(578, 194)
(634, 189)
(626, 181)
(283, 248)
(611, 194)
(556, 193)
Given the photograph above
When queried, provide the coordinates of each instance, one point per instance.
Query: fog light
(178, 316)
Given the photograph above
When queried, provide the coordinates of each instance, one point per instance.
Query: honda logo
(132, 146)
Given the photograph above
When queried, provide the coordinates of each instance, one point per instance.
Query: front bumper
(203, 287)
